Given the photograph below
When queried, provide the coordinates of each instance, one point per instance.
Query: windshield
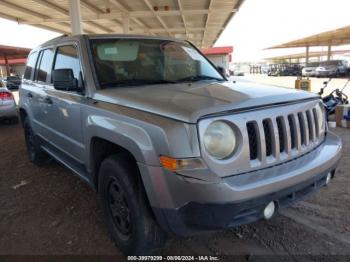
(13, 78)
(146, 61)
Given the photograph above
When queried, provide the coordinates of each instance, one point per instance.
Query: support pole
(329, 52)
(307, 55)
(75, 17)
(126, 24)
(8, 72)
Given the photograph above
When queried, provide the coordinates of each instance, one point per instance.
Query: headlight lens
(219, 140)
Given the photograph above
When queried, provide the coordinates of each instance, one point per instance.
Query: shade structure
(199, 21)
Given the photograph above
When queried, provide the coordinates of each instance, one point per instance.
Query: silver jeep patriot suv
(169, 144)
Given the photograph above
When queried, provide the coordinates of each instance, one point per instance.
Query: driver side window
(67, 58)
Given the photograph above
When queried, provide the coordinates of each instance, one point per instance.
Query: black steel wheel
(119, 209)
(128, 215)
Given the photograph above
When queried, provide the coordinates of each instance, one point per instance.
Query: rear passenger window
(67, 58)
(43, 70)
(30, 65)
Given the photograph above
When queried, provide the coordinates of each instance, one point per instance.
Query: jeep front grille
(268, 136)
(302, 126)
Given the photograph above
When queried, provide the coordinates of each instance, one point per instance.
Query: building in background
(12, 60)
(219, 56)
(16, 67)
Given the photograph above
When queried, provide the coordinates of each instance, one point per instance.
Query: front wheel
(126, 209)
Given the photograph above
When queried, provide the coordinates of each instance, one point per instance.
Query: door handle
(30, 95)
(47, 100)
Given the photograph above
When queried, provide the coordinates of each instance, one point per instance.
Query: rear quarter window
(43, 70)
(31, 61)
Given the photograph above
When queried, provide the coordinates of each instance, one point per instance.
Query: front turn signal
(174, 164)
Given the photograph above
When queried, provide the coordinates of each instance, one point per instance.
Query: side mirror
(221, 70)
(63, 79)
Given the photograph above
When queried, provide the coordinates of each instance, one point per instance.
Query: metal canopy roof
(311, 54)
(12, 52)
(339, 36)
(199, 21)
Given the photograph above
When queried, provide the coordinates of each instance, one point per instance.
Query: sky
(258, 24)
(263, 23)
(15, 34)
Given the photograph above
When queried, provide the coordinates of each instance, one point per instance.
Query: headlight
(219, 140)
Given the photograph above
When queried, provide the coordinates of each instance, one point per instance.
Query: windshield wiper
(135, 82)
(198, 78)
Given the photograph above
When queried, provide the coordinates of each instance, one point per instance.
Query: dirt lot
(53, 212)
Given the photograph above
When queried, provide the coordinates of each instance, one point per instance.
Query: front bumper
(185, 205)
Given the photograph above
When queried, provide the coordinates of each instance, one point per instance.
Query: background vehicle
(8, 108)
(168, 143)
(310, 69)
(285, 70)
(13, 82)
(265, 69)
(332, 68)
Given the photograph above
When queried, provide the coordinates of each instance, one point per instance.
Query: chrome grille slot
(281, 133)
(293, 130)
(252, 130)
(302, 129)
(269, 139)
(311, 125)
(317, 128)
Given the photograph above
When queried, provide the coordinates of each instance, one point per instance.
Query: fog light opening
(269, 210)
(328, 178)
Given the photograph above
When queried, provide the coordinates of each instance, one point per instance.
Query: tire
(126, 210)
(14, 120)
(35, 153)
(337, 74)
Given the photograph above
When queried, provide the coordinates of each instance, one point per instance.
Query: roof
(12, 52)
(223, 50)
(340, 36)
(311, 54)
(199, 21)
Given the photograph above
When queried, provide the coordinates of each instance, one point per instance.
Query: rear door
(29, 92)
(42, 78)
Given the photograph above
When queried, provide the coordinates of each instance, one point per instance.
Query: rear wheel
(14, 120)
(36, 154)
(126, 209)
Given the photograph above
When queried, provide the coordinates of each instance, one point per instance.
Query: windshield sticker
(111, 51)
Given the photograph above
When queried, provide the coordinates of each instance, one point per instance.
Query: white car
(8, 108)
(310, 69)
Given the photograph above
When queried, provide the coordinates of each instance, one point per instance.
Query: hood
(189, 102)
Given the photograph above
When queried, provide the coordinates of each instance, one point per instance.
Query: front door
(63, 110)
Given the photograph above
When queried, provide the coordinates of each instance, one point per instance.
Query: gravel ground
(48, 211)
